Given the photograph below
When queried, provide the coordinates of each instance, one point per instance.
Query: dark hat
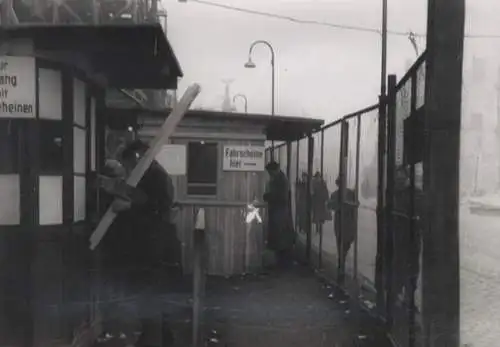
(272, 166)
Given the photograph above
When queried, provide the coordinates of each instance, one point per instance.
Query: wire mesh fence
(343, 210)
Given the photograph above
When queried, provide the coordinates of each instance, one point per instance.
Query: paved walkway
(280, 309)
(283, 309)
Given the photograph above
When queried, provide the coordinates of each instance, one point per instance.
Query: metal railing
(344, 204)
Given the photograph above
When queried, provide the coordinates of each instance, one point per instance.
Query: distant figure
(406, 254)
(300, 203)
(319, 199)
(280, 233)
(345, 230)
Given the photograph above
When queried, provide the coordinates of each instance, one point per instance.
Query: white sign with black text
(17, 87)
(244, 158)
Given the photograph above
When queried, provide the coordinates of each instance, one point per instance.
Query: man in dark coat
(280, 233)
(406, 253)
(300, 203)
(145, 235)
(320, 212)
(345, 230)
(153, 214)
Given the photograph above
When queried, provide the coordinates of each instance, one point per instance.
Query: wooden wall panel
(233, 246)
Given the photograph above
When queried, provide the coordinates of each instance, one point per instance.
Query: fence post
(322, 164)
(356, 190)
(310, 156)
(381, 223)
(344, 141)
(288, 160)
(198, 277)
(389, 198)
(297, 178)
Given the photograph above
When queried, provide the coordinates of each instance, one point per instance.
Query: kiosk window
(202, 168)
(51, 147)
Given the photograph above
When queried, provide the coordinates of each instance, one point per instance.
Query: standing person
(146, 238)
(153, 214)
(406, 254)
(345, 230)
(301, 206)
(280, 233)
(320, 212)
(112, 251)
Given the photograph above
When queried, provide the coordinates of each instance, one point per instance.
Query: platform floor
(287, 308)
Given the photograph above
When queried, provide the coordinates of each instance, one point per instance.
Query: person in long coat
(147, 238)
(280, 233)
(405, 253)
(345, 230)
(300, 203)
(320, 196)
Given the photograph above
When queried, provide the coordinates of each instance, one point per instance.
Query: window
(202, 168)
(51, 147)
(50, 94)
(79, 102)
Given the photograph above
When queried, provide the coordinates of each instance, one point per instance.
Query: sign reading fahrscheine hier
(243, 158)
(17, 87)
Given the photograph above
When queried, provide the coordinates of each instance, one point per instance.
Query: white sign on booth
(173, 159)
(244, 158)
(17, 87)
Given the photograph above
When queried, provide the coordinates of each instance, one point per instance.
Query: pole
(381, 270)
(272, 91)
(383, 70)
(443, 98)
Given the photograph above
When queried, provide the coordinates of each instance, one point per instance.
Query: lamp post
(250, 65)
(243, 96)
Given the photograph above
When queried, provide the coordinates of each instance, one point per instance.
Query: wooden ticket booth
(53, 82)
(217, 160)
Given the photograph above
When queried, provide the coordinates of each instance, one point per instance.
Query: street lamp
(251, 65)
(243, 96)
(413, 41)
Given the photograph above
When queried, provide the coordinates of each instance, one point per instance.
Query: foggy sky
(321, 72)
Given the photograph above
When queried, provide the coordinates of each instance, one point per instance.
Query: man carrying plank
(145, 161)
(145, 211)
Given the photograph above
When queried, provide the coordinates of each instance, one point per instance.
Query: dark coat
(320, 212)
(406, 254)
(301, 205)
(144, 232)
(351, 217)
(280, 233)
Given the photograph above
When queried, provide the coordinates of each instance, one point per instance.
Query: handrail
(337, 122)
(218, 203)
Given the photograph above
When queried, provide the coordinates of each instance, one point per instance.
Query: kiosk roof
(130, 56)
(277, 128)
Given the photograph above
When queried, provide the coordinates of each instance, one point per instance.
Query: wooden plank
(155, 146)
